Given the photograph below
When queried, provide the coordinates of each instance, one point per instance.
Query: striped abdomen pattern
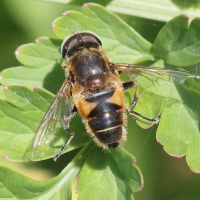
(105, 116)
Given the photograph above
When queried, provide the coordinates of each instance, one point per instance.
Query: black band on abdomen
(106, 121)
(103, 105)
(113, 135)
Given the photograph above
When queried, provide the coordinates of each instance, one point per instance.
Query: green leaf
(150, 9)
(20, 116)
(17, 186)
(42, 68)
(123, 45)
(35, 55)
(114, 171)
(57, 1)
(178, 42)
(44, 59)
(178, 130)
(182, 138)
(51, 78)
(155, 9)
(121, 41)
(1, 92)
(109, 175)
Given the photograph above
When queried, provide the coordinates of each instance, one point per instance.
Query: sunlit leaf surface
(179, 42)
(24, 108)
(109, 176)
(151, 9)
(18, 186)
(21, 115)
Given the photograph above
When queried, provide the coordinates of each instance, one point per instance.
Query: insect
(94, 89)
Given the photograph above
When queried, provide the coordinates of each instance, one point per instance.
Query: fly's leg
(127, 85)
(65, 124)
(65, 145)
(155, 121)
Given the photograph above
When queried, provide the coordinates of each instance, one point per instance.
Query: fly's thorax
(90, 68)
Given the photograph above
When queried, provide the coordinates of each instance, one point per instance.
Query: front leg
(127, 85)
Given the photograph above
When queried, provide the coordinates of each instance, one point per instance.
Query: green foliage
(178, 43)
(150, 9)
(122, 42)
(15, 185)
(112, 173)
(21, 114)
(126, 177)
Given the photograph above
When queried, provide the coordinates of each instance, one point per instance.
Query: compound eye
(67, 45)
(77, 41)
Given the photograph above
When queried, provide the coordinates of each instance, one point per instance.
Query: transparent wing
(61, 105)
(154, 74)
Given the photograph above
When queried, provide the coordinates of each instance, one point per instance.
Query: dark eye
(75, 42)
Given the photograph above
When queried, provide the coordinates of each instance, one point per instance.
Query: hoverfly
(94, 89)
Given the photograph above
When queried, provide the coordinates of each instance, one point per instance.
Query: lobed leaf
(123, 45)
(44, 60)
(182, 138)
(50, 78)
(35, 55)
(20, 116)
(178, 42)
(150, 9)
(122, 42)
(178, 130)
(45, 70)
(1, 92)
(127, 177)
(109, 175)
(42, 68)
(57, 188)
